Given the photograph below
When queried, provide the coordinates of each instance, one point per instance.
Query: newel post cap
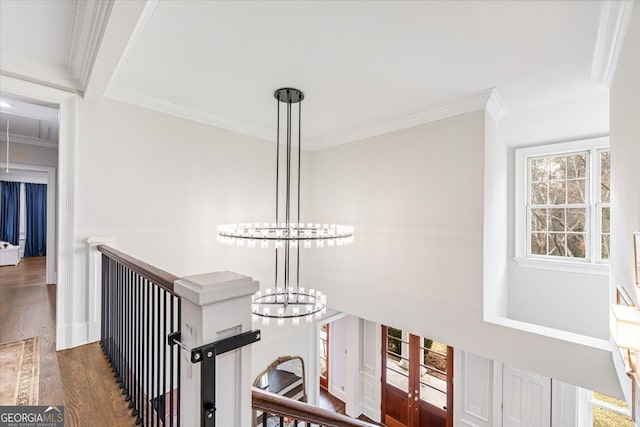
(210, 288)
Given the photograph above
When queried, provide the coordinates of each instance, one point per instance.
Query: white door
(526, 399)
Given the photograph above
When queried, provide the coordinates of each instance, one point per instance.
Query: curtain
(36, 244)
(10, 212)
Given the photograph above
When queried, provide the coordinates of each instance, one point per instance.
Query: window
(562, 205)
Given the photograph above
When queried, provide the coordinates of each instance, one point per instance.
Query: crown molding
(612, 28)
(488, 99)
(495, 106)
(162, 106)
(43, 74)
(29, 140)
(89, 23)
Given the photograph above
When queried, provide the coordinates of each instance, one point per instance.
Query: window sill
(566, 266)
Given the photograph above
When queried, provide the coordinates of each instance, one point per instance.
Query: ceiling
(51, 42)
(365, 66)
(29, 123)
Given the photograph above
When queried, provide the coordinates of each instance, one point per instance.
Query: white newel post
(95, 282)
(216, 306)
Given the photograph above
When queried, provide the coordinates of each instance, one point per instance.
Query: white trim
(136, 34)
(521, 213)
(29, 140)
(612, 29)
(50, 268)
(546, 331)
(94, 285)
(568, 266)
(477, 101)
(495, 106)
(176, 110)
(59, 78)
(89, 22)
(65, 219)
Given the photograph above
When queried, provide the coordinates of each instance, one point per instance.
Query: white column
(95, 282)
(216, 306)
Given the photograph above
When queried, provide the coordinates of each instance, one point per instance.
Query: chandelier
(287, 235)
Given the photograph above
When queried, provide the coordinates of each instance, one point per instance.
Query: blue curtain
(36, 202)
(10, 212)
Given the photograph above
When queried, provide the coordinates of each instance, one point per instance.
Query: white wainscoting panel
(526, 399)
(473, 389)
(370, 370)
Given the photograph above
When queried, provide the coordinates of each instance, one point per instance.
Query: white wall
(625, 159)
(496, 286)
(344, 363)
(371, 369)
(27, 154)
(625, 167)
(160, 185)
(416, 199)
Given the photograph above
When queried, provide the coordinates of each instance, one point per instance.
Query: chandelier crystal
(287, 300)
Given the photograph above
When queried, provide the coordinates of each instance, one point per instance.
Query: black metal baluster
(109, 314)
(114, 318)
(171, 350)
(125, 333)
(179, 301)
(120, 327)
(136, 346)
(110, 311)
(163, 340)
(129, 341)
(159, 355)
(103, 280)
(149, 359)
(145, 315)
(153, 351)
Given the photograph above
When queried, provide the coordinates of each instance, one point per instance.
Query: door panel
(436, 383)
(324, 356)
(395, 377)
(417, 389)
(396, 406)
(526, 399)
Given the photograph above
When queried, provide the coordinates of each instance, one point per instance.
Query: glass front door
(417, 375)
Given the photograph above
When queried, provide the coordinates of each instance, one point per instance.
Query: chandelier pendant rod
(299, 166)
(287, 249)
(275, 283)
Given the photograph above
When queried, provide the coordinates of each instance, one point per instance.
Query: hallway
(80, 378)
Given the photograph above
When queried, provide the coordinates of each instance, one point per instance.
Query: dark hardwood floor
(330, 402)
(80, 378)
(28, 309)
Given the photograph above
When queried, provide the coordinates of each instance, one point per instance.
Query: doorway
(417, 380)
(324, 356)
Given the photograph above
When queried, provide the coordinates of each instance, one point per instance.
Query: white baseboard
(71, 335)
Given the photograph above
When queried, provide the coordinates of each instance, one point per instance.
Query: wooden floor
(330, 402)
(333, 404)
(80, 378)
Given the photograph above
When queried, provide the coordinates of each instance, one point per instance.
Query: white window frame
(592, 263)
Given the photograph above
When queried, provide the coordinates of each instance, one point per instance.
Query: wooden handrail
(154, 274)
(282, 406)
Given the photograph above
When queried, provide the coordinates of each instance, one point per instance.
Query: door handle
(409, 395)
(415, 398)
